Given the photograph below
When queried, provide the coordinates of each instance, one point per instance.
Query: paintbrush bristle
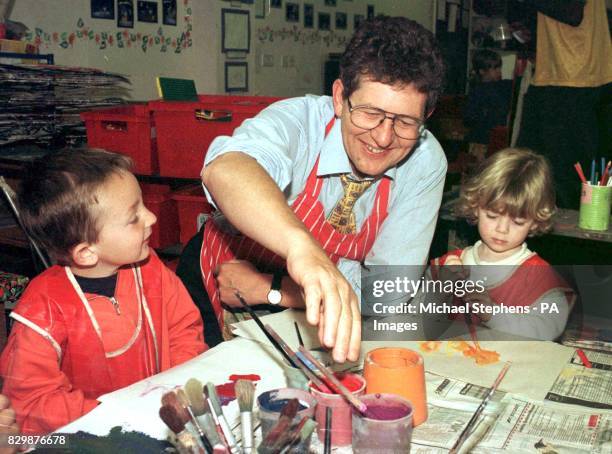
(169, 416)
(290, 409)
(193, 389)
(245, 392)
(171, 400)
(211, 392)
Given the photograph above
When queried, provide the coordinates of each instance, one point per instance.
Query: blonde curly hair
(515, 181)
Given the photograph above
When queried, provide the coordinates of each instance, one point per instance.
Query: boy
(488, 101)
(510, 198)
(109, 313)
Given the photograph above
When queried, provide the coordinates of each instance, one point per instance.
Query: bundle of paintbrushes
(285, 437)
(319, 375)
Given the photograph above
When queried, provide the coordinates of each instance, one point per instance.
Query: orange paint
(398, 371)
(430, 346)
(480, 355)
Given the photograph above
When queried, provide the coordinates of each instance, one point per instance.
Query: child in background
(488, 102)
(510, 198)
(109, 313)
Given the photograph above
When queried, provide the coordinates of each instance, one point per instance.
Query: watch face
(274, 297)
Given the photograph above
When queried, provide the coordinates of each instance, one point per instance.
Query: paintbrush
(472, 422)
(263, 329)
(215, 406)
(195, 394)
(328, 430)
(245, 390)
(176, 424)
(298, 359)
(334, 383)
(299, 335)
(290, 437)
(183, 400)
(284, 421)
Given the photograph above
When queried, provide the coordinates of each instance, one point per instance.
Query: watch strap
(277, 279)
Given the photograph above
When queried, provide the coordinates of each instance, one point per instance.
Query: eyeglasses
(367, 117)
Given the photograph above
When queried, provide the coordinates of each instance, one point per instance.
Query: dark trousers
(568, 125)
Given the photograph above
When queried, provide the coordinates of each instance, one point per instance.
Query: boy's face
(491, 74)
(124, 223)
(501, 234)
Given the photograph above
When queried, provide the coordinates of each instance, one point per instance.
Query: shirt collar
(333, 159)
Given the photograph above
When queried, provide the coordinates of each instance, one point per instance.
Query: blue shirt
(286, 139)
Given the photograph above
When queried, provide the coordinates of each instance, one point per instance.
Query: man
(280, 179)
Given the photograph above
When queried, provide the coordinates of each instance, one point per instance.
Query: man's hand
(241, 276)
(330, 300)
(8, 426)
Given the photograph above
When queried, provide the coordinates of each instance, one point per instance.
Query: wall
(66, 29)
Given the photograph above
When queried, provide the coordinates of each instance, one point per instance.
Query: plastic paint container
(272, 402)
(399, 371)
(341, 409)
(385, 427)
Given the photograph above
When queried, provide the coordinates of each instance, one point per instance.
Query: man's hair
(514, 181)
(393, 50)
(485, 59)
(58, 197)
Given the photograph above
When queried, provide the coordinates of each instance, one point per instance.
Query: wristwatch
(274, 295)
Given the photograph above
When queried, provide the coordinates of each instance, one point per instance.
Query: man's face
(372, 152)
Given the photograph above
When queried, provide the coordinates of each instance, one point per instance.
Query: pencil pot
(398, 371)
(594, 207)
(341, 426)
(272, 402)
(386, 425)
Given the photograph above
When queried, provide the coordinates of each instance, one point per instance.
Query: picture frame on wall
(292, 12)
(147, 11)
(125, 13)
(235, 30)
(370, 11)
(308, 15)
(103, 9)
(261, 9)
(357, 20)
(169, 12)
(340, 21)
(276, 3)
(324, 21)
(236, 76)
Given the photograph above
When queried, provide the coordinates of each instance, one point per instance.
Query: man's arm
(255, 205)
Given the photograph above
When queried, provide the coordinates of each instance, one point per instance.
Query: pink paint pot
(386, 426)
(341, 410)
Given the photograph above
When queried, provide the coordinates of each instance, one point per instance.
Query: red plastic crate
(193, 210)
(127, 130)
(186, 129)
(158, 199)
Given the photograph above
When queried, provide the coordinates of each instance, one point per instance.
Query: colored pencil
(584, 359)
(578, 168)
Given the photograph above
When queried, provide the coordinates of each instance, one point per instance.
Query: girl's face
(502, 235)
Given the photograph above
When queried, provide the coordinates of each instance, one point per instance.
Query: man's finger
(312, 300)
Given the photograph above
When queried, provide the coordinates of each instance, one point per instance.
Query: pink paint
(385, 412)
(341, 409)
(227, 391)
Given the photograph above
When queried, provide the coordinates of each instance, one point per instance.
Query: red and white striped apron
(219, 246)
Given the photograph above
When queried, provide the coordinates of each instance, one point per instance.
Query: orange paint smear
(480, 355)
(430, 346)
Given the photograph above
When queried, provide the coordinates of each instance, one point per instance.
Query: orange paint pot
(398, 371)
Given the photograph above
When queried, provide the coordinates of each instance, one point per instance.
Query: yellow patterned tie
(342, 216)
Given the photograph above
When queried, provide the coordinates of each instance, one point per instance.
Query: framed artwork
(235, 30)
(169, 12)
(261, 8)
(125, 13)
(324, 21)
(340, 21)
(357, 20)
(147, 11)
(330, 2)
(292, 12)
(103, 9)
(308, 15)
(370, 11)
(236, 76)
(276, 3)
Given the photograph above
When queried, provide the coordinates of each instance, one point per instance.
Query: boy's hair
(57, 198)
(514, 181)
(393, 50)
(485, 59)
